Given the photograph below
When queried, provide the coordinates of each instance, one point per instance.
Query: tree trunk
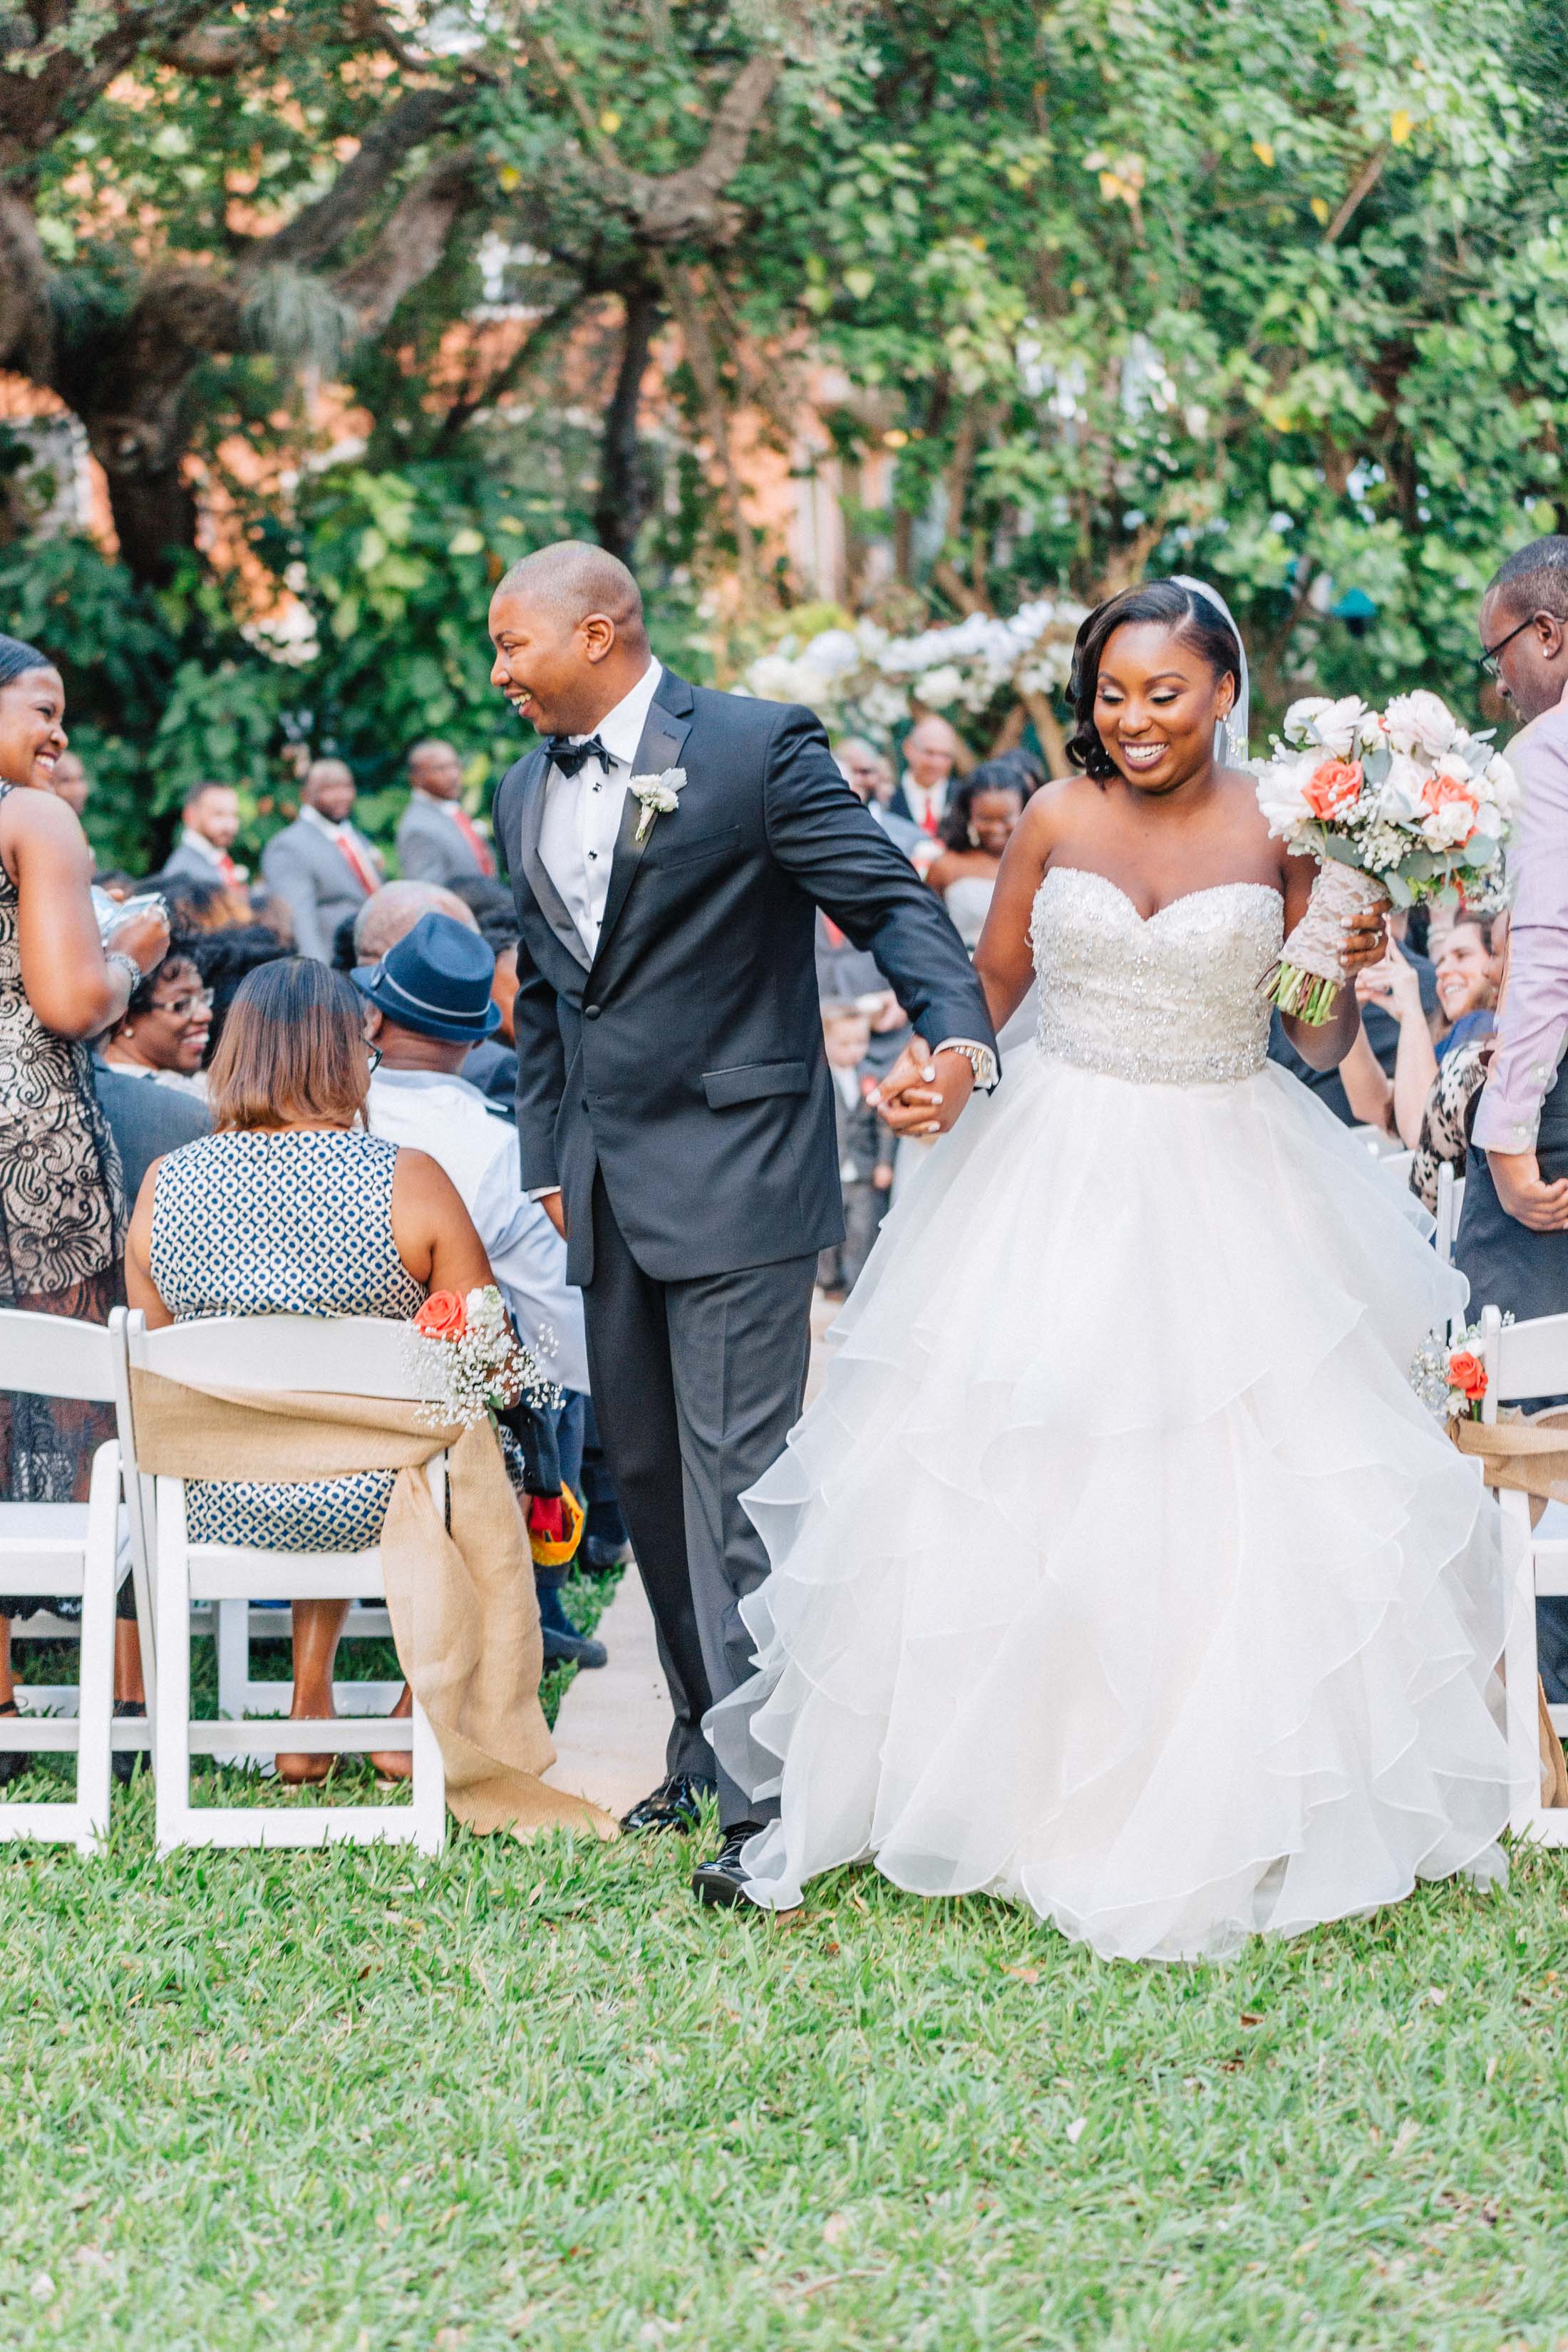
(623, 484)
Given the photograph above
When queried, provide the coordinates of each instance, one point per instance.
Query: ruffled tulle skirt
(1118, 1570)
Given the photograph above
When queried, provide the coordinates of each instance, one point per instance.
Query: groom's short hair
(571, 578)
(1535, 578)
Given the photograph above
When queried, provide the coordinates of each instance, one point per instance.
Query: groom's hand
(924, 1092)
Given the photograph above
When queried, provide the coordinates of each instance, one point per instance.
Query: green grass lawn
(533, 2095)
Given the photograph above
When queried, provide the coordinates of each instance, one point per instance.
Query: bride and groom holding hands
(1118, 1569)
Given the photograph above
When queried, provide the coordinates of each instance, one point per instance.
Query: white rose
(485, 1309)
(1337, 726)
(939, 687)
(1447, 827)
(1399, 800)
(1500, 781)
(1422, 721)
(1281, 795)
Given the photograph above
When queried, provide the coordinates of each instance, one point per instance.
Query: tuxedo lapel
(668, 725)
(530, 821)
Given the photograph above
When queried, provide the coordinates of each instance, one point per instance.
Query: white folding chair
(1397, 1167)
(1529, 1360)
(357, 1356)
(71, 1549)
(1450, 1201)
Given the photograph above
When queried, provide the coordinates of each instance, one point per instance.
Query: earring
(974, 838)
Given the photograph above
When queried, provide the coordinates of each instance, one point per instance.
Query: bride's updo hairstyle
(1203, 625)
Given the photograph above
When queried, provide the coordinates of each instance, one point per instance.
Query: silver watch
(128, 964)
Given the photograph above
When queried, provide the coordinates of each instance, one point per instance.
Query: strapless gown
(1118, 1570)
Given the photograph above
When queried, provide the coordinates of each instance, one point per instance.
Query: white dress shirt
(583, 813)
(226, 869)
(450, 1119)
(927, 803)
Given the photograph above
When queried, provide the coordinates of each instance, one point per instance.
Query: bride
(1118, 1570)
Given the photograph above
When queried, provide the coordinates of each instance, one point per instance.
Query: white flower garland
(864, 678)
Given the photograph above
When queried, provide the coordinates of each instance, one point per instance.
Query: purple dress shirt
(1532, 1026)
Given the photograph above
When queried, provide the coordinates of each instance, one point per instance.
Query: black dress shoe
(677, 1805)
(572, 1649)
(723, 1880)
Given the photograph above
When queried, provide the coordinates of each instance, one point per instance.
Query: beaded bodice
(1172, 1001)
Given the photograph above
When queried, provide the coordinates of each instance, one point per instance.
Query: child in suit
(865, 1147)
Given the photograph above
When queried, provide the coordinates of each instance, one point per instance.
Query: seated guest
(429, 1000)
(145, 1121)
(322, 865)
(1468, 974)
(391, 914)
(210, 821)
(870, 778)
(163, 1033)
(292, 1208)
(865, 1149)
(437, 840)
(981, 817)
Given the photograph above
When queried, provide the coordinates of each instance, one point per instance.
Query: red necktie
(475, 839)
(359, 863)
(931, 821)
(228, 871)
(831, 931)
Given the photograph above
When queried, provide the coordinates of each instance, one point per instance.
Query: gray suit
(183, 859)
(305, 868)
(673, 1085)
(431, 848)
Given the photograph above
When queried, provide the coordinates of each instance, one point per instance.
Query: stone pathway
(610, 1734)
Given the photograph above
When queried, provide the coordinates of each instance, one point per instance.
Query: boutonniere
(659, 795)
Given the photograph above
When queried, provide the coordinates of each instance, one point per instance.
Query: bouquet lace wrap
(1311, 969)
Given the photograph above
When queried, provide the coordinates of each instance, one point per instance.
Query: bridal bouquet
(1396, 805)
(467, 1360)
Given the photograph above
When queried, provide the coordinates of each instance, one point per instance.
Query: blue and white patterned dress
(297, 1222)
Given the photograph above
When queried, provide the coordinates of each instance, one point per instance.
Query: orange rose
(1332, 787)
(442, 1315)
(1467, 1374)
(1440, 789)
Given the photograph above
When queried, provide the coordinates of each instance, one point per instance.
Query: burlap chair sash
(461, 1597)
(1528, 1456)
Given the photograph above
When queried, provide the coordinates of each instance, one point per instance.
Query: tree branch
(310, 236)
(410, 243)
(48, 82)
(1361, 187)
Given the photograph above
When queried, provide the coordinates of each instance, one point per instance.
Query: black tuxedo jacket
(684, 1061)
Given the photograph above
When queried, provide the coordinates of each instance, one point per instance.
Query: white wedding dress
(1118, 1570)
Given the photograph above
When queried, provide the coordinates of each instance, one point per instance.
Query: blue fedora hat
(435, 981)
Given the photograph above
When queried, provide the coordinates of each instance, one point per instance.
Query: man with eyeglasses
(1513, 1241)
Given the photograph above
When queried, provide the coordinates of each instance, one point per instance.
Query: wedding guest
(1510, 1241)
(273, 914)
(1468, 976)
(865, 1148)
(437, 840)
(322, 865)
(292, 1208)
(145, 1120)
(870, 779)
(931, 750)
(428, 1000)
(392, 911)
(61, 1202)
(1027, 766)
(209, 825)
(981, 817)
(162, 1036)
(72, 783)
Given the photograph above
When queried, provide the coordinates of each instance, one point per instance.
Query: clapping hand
(143, 936)
(924, 1092)
(1390, 983)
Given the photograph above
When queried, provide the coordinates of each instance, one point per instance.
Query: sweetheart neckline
(1209, 891)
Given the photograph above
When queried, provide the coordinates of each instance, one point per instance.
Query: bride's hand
(924, 1092)
(1365, 939)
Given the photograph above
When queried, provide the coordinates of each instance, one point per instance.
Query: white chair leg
(428, 1793)
(232, 1627)
(171, 1746)
(96, 1668)
(1520, 1667)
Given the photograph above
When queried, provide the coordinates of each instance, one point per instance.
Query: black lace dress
(62, 1223)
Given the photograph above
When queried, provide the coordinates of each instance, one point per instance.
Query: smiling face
(215, 814)
(171, 1033)
(1468, 972)
(32, 733)
(930, 751)
(1156, 705)
(994, 819)
(548, 666)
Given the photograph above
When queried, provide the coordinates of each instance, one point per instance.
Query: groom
(675, 1111)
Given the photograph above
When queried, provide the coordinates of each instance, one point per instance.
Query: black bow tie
(568, 756)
